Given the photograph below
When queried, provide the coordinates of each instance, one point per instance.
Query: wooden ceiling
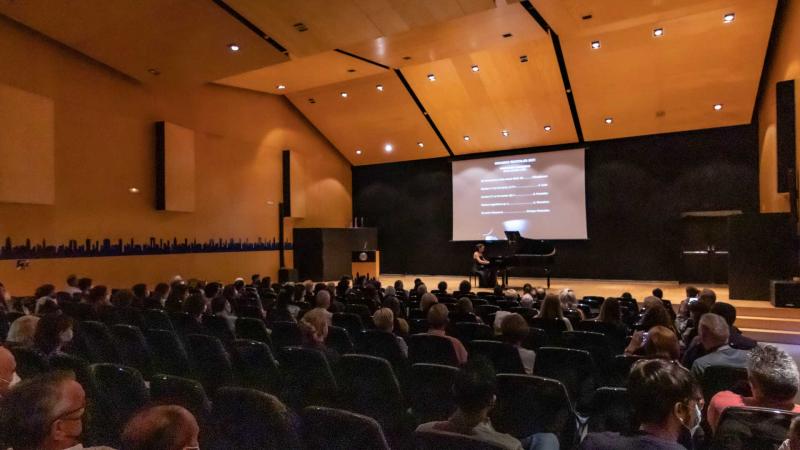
(647, 84)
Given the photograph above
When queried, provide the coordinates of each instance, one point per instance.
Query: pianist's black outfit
(487, 274)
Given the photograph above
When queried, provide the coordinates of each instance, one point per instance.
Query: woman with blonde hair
(314, 328)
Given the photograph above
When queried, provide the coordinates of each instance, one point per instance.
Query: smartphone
(645, 336)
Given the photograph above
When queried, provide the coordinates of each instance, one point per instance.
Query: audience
(774, 382)
(515, 329)
(437, 322)
(167, 427)
(140, 295)
(666, 401)
(683, 310)
(714, 335)
(441, 288)
(384, 321)
(53, 332)
(551, 310)
(22, 332)
(464, 289)
(314, 326)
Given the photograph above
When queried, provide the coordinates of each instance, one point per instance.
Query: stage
(757, 319)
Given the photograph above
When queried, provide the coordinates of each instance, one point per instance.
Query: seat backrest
(536, 338)
(552, 327)
(248, 419)
(168, 353)
(79, 311)
(118, 392)
(75, 364)
(253, 329)
(209, 361)
(256, 367)
(469, 331)
(339, 340)
(485, 310)
(528, 404)
(751, 428)
(597, 346)
(308, 378)
(99, 342)
(172, 390)
(285, 334)
(441, 440)
(349, 321)
(384, 345)
(611, 410)
(416, 326)
(249, 311)
(156, 319)
(133, 348)
(621, 367)
(219, 328)
(723, 378)
(29, 362)
(504, 357)
(131, 316)
(328, 428)
(614, 335)
(573, 368)
(367, 385)
(431, 395)
(426, 348)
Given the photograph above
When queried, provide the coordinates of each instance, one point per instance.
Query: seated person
(464, 311)
(737, 339)
(221, 307)
(441, 289)
(480, 267)
(53, 333)
(474, 391)
(666, 401)
(195, 306)
(773, 379)
(682, 319)
(157, 297)
(551, 310)
(527, 299)
(792, 441)
(569, 302)
(464, 289)
(384, 321)
(314, 326)
(714, 334)
(22, 331)
(611, 313)
(44, 412)
(661, 342)
(437, 322)
(426, 301)
(697, 310)
(166, 427)
(515, 329)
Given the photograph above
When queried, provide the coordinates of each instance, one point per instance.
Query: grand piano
(518, 251)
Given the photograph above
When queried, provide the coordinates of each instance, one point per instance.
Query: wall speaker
(785, 294)
(787, 134)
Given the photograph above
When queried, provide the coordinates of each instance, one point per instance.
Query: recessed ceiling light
(420, 144)
(406, 58)
(233, 47)
(312, 100)
(351, 70)
(729, 17)
(718, 107)
(379, 87)
(133, 190)
(595, 45)
(504, 133)
(507, 35)
(153, 72)
(358, 152)
(466, 138)
(475, 68)
(343, 94)
(547, 128)
(281, 87)
(608, 120)
(388, 148)
(658, 32)
(431, 77)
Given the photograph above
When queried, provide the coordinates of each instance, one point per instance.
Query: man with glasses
(44, 413)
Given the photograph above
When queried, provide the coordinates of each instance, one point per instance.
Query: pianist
(481, 267)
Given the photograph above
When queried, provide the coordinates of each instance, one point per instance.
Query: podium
(329, 253)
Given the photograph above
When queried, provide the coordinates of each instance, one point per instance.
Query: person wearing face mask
(666, 401)
(166, 427)
(53, 332)
(8, 371)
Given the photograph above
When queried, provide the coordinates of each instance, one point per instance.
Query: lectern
(329, 253)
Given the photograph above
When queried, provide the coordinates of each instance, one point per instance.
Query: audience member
(515, 329)
(72, 285)
(84, 284)
(384, 321)
(658, 293)
(774, 382)
(140, 294)
(656, 315)
(400, 323)
(792, 441)
(44, 294)
(53, 332)
(158, 297)
(464, 311)
(22, 332)
(426, 301)
(737, 339)
(221, 307)
(707, 296)
(611, 313)
(122, 298)
(551, 310)
(322, 300)
(714, 335)
(8, 371)
(314, 326)
(441, 288)
(5, 298)
(541, 293)
(474, 391)
(569, 302)
(666, 401)
(421, 290)
(696, 311)
(464, 288)
(44, 413)
(282, 311)
(195, 306)
(658, 342)
(178, 293)
(437, 322)
(527, 296)
(167, 427)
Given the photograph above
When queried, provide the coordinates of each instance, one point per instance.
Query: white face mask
(694, 425)
(14, 380)
(66, 336)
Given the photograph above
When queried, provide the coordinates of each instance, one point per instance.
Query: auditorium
(399, 224)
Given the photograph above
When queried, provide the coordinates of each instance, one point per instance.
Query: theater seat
(384, 345)
(117, 393)
(349, 321)
(285, 334)
(253, 329)
(504, 357)
(29, 362)
(98, 342)
(218, 327)
(722, 378)
(426, 348)
(75, 364)
(443, 440)
(553, 328)
(156, 319)
(336, 429)
(431, 391)
(171, 390)
(574, 368)
(247, 419)
(751, 428)
(256, 366)
(611, 410)
(466, 332)
(133, 348)
(168, 352)
(209, 361)
(536, 339)
(308, 378)
(597, 346)
(339, 340)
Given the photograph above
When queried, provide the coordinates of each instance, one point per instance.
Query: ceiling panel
(505, 94)
(185, 40)
(369, 119)
(304, 73)
(663, 84)
(331, 24)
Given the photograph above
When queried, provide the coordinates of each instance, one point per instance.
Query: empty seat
(384, 345)
(485, 310)
(130, 316)
(247, 419)
(209, 361)
(98, 341)
(169, 389)
(536, 338)
(336, 429)
(29, 362)
(416, 326)
(611, 410)
(597, 346)
(615, 335)
(504, 357)
(218, 327)
(253, 329)
(431, 391)
(350, 322)
(723, 378)
(156, 319)
(256, 366)
(468, 331)
(573, 368)
(528, 404)
(443, 440)
(75, 364)
(249, 311)
(426, 348)
(168, 353)
(621, 367)
(78, 311)
(339, 340)
(285, 334)
(117, 392)
(133, 348)
(751, 428)
(553, 328)
(308, 378)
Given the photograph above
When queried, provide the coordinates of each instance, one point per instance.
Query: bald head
(713, 331)
(8, 371)
(168, 427)
(323, 299)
